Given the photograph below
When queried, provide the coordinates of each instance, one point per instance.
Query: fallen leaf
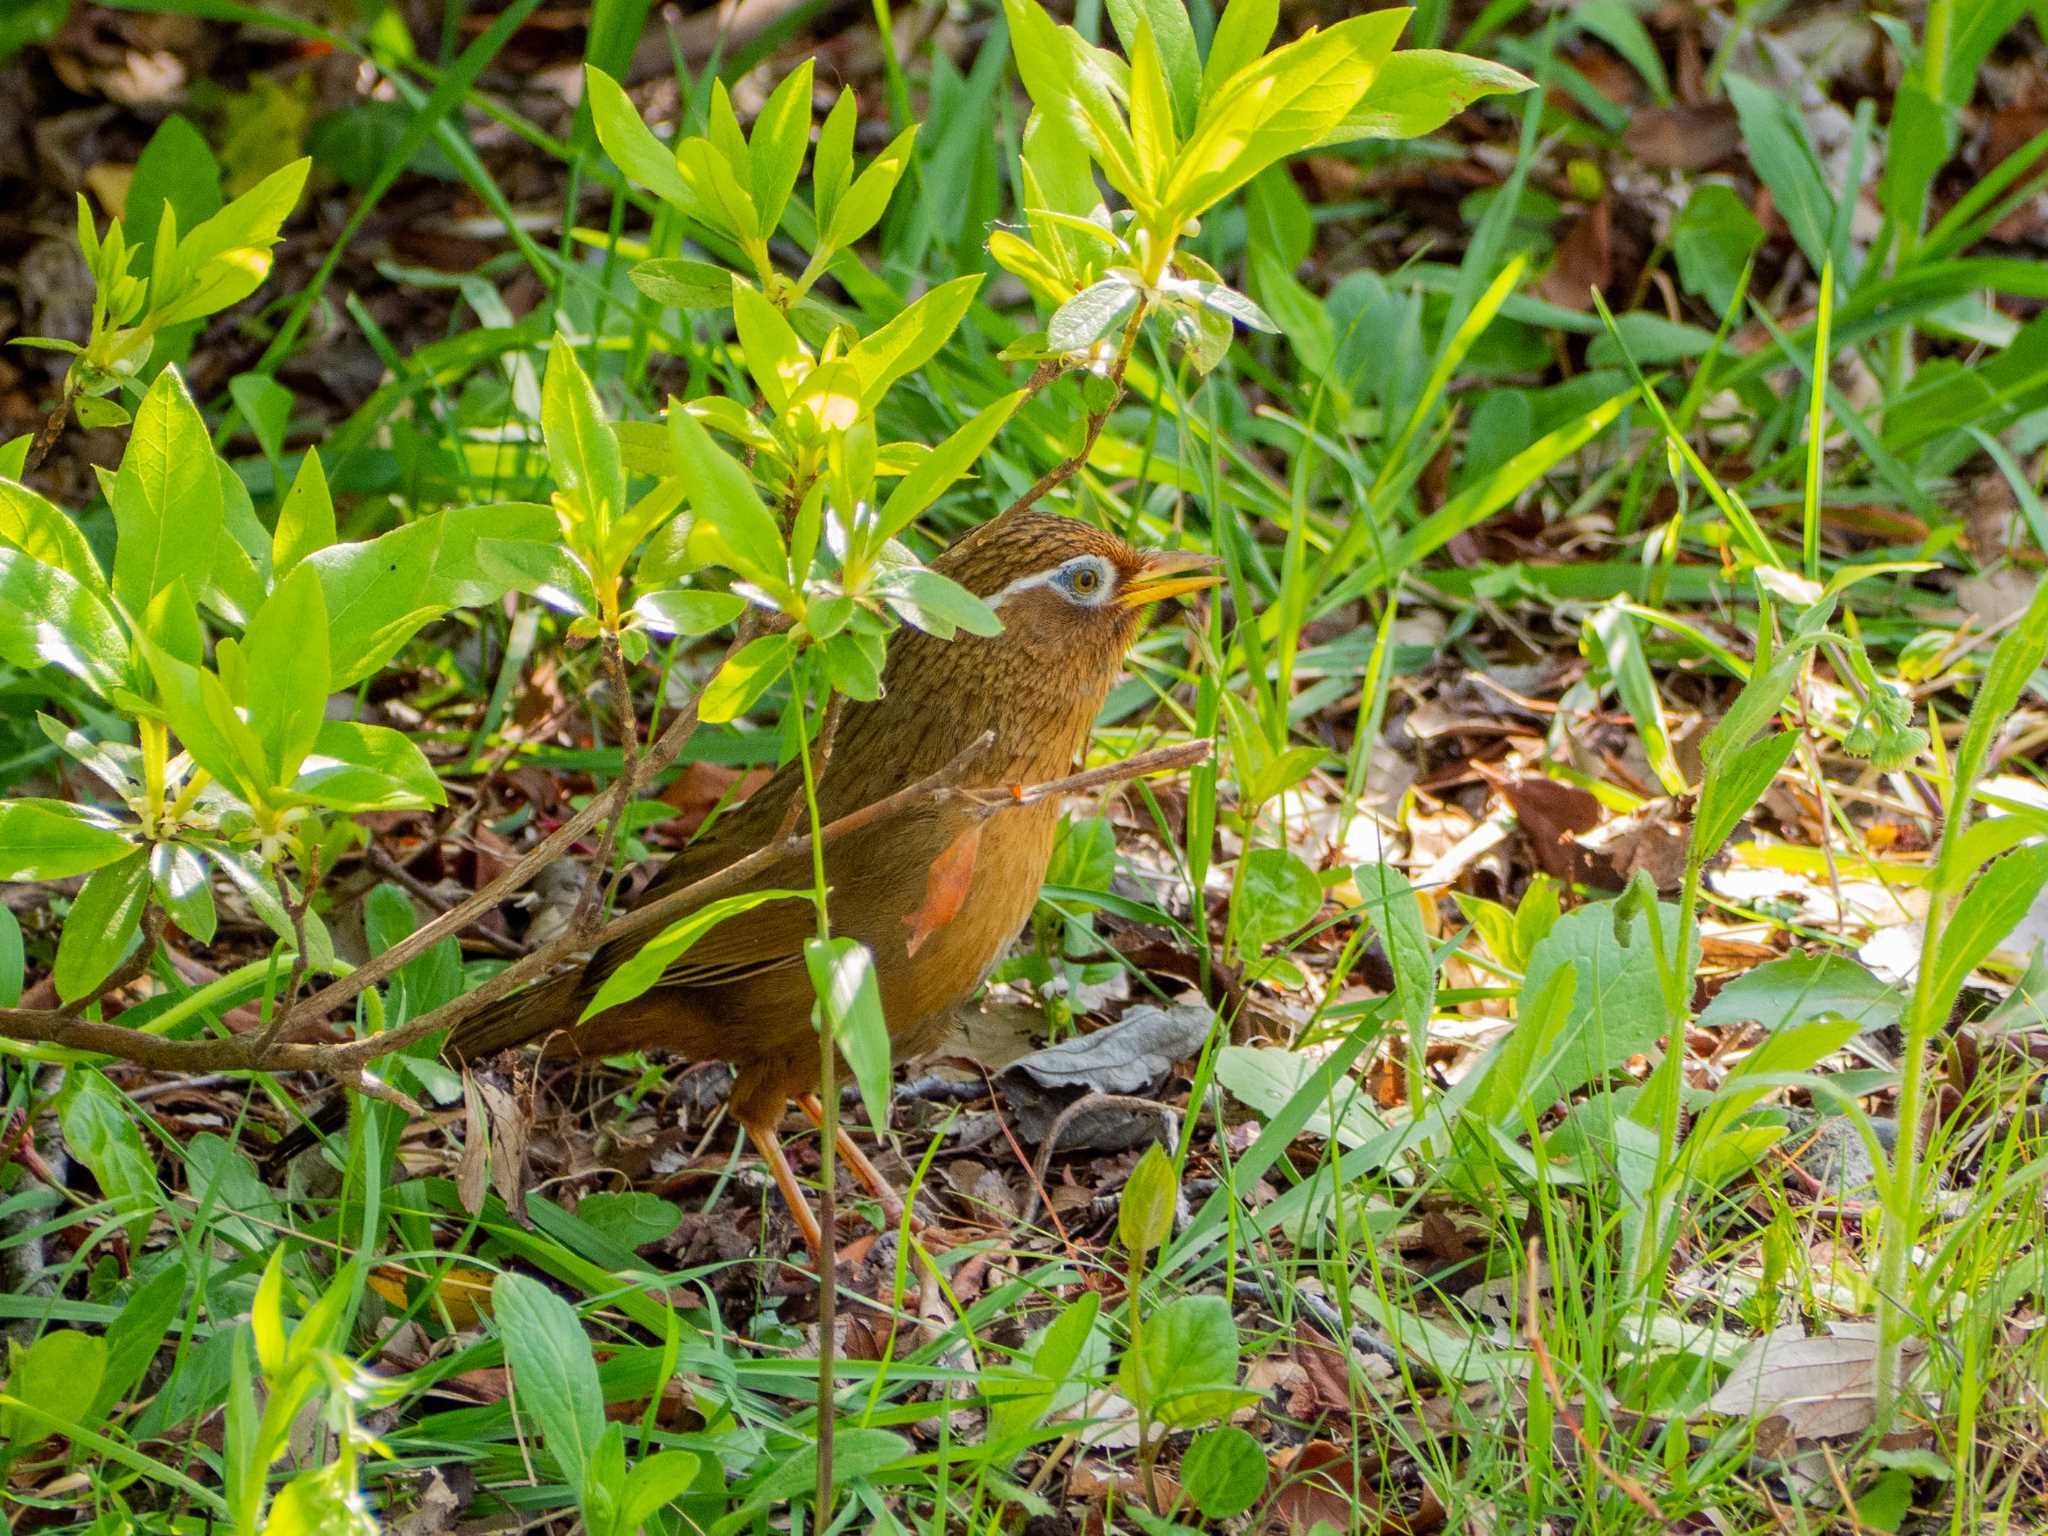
(466, 1293)
(945, 887)
(1821, 1387)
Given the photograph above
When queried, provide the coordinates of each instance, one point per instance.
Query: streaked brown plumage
(742, 993)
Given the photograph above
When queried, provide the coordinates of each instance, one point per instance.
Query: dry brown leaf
(945, 887)
(1821, 1387)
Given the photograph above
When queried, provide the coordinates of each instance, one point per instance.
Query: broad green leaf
(178, 876)
(1280, 105)
(305, 522)
(286, 658)
(323, 1501)
(104, 918)
(1734, 784)
(683, 282)
(166, 498)
(1778, 149)
(13, 958)
(1173, 41)
(1997, 899)
(857, 1452)
(49, 840)
(1223, 1471)
(654, 1483)
(100, 1131)
(1391, 909)
(1077, 324)
(1241, 36)
(1541, 1019)
(863, 204)
(644, 970)
(43, 532)
(1276, 894)
(48, 618)
(225, 259)
(554, 1375)
(632, 144)
(137, 1333)
(357, 767)
(731, 527)
(782, 131)
(911, 338)
(176, 167)
(832, 161)
(1183, 1370)
(723, 201)
(777, 361)
(936, 472)
(1713, 238)
(1267, 1078)
(850, 1002)
(937, 604)
(267, 407)
(60, 1373)
(379, 592)
(688, 612)
(1144, 1213)
(582, 451)
(742, 680)
(1418, 90)
(1082, 85)
(1153, 136)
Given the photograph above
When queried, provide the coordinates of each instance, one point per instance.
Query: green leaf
(937, 604)
(632, 1219)
(1144, 1213)
(1241, 36)
(356, 767)
(655, 1482)
(226, 258)
(1778, 149)
(41, 531)
(678, 612)
(582, 450)
(1732, 785)
(267, 406)
(1173, 36)
(743, 679)
(1997, 899)
(857, 1452)
(782, 131)
(850, 1002)
(1153, 136)
(911, 338)
(178, 876)
(1798, 988)
(1184, 1368)
(832, 161)
(305, 522)
(286, 662)
(137, 1333)
(166, 498)
(936, 472)
(1077, 324)
(554, 1375)
(381, 591)
(1284, 103)
(1224, 1470)
(99, 1130)
(644, 970)
(777, 361)
(13, 959)
(1081, 85)
(1614, 630)
(731, 528)
(176, 167)
(48, 618)
(49, 840)
(852, 667)
(1713, 238)
(103, 921)
(1276, 894)
(1391, 909)
(60, 1373)
(864, 203)
(683, 282)
(631, 143)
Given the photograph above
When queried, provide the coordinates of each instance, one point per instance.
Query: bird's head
(1069, 593)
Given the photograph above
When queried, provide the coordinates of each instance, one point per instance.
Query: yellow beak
(1169, 573)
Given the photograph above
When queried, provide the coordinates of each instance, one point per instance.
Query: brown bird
(1072, 600)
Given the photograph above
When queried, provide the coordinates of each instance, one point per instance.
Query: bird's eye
(1085, 580)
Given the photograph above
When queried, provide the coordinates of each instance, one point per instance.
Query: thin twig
(821, 754)
(281, 1006)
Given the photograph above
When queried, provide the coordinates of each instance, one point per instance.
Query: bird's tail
(511, 1021)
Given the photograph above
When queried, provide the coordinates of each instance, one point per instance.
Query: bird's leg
(769, 1144)
(857, 1160)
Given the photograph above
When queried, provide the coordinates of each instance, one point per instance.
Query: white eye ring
(1087, 581)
